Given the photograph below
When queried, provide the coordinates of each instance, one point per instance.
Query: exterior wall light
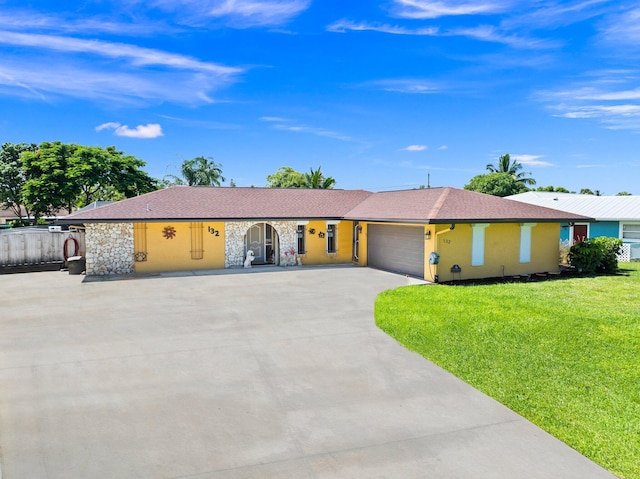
(427, 235)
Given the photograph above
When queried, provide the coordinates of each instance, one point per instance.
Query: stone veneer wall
(109, 248)
(235, 231)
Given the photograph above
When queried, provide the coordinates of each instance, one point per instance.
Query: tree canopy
(557, 189)
(12, 177)
(316, 179)
(496, 184)
(54, 175)
(199, 171)
(513, 168)
(287, 177)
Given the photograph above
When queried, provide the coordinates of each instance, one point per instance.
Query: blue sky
(381, 94)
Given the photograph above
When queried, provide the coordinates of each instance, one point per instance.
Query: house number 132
(213, 231)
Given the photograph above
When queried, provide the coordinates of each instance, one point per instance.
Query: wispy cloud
(138, 56)
(443, 147)
(84, 69)
(531, 160)
(414, 148)
(556, 13)
(150, 130)
(235, 13)
(342, 26)
(69, 23)
(285, 124)
(408, 85)
(424, 9)
(610, 97)
(623, 29)
(485, 33)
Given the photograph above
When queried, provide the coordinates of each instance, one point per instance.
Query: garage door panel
(396, 248)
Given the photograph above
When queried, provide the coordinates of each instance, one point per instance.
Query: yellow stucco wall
(175, 254)
(316, 246)
(501, 251)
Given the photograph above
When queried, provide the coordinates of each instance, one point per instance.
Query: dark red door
(579, 233)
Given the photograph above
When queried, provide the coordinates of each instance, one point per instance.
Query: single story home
(613, 216)
(438, 234)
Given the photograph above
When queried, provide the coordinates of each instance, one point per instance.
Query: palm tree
(315, 179)
(200, 171)
(505, 165)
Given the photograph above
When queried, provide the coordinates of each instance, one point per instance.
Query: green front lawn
(563, 353)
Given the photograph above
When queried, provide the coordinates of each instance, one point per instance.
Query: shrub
(597, 255)
(611, 249)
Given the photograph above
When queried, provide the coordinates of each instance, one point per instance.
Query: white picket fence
(27, 246)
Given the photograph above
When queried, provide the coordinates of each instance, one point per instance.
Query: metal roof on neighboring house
(431, 205)
(602, 208)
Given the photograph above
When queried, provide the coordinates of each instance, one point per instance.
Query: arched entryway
(263, 240)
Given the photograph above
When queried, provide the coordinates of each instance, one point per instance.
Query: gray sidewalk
(272, 374)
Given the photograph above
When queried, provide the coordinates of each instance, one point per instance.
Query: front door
(255, 242)
(579, 233)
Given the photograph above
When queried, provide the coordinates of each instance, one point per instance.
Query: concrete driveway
(280, 373)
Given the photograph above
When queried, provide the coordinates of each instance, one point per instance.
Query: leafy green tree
(47, 187)
(496, 184)
(315, 179)
(587, 191)
(199, 171)
(624, 193)
(67, 176)
(12, 178)
(506, 165)
(286, 177)
(557, 189)
(126, 176)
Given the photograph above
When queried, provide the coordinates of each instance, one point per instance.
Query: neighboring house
(613, 216)
(7, 215)
(186, 228)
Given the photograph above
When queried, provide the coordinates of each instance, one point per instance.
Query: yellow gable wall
(501, 251)
(175, 254)
(317, 246)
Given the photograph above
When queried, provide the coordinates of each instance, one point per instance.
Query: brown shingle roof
(449, 205)
(200, 203)
(432, 205)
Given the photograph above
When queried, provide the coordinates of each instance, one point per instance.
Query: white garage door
(396, 248)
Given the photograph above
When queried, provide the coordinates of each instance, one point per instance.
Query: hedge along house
(471, 235)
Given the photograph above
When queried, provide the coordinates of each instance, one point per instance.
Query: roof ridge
(439, 202)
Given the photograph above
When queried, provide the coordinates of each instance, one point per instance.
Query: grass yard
(564, 353)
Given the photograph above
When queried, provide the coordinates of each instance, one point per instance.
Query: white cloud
(85, 69)
(610, 97)
(235, 13)
(413, 86)
(530, 160)
(342, 26)
(443, 147)
(425, 9)
(285, 124)
(485, 33)
(138, 56)
(415, 148)
(623, 29)
(274, 119)
(150, 130)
